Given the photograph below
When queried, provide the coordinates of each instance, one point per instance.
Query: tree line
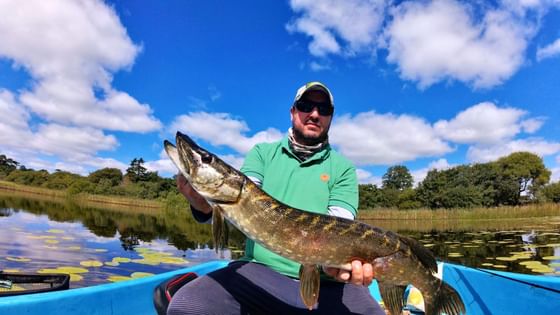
(136, 182)
(516, 179)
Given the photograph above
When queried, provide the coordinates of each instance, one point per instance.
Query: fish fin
(219, 228)
(447, 301)
(310, 282)
(393, 297)
(424, 255)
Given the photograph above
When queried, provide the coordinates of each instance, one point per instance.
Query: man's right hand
(195, 199)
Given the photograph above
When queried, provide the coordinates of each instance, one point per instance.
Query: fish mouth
(187, 155)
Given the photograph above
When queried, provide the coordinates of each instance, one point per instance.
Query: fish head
(211, 177)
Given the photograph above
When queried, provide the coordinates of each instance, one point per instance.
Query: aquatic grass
(475, 214)
(123, 204)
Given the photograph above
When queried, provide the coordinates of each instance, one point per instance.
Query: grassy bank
(498, 213)
(82, 199)
(143, 205)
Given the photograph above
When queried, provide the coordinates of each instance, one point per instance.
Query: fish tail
(446, 300)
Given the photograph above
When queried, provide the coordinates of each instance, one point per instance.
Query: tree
(111, 176)
(370, 196)
(527, 170)
(7, 165)
(552, 192)
(136, 172)
(397, 177)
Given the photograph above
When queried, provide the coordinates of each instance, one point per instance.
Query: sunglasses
(324, 109)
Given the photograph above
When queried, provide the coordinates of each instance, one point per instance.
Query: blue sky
(426, 84)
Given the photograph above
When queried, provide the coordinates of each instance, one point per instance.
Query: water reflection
(524, 246)
(42, 234)
(39, 235)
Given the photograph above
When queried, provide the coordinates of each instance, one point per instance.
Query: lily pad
(118, 278)
(66, 269)
(18, 259)
(454, 255)
(551, 258)
(91, 263)
(139, 274)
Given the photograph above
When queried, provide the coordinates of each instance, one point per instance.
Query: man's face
(311, 128)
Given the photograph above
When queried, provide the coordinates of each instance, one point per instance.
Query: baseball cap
(314, 86)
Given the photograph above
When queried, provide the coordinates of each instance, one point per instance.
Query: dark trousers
(250, 288)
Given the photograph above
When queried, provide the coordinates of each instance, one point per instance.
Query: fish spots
(302, 217)
(352, 227)
(315, 221)
(329, 226)
(366, 234)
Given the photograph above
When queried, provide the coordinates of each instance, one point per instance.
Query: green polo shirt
(325, 179)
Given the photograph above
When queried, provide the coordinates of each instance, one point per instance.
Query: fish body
(312, 239)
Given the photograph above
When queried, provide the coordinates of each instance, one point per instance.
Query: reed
(496, 213)
(83, 199)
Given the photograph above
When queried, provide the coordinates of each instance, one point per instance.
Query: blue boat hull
(484, 292)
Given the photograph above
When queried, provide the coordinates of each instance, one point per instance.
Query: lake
(101, 245)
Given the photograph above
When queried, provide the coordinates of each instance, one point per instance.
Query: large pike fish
(312, 239)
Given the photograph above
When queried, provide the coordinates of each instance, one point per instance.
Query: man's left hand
(360, 274)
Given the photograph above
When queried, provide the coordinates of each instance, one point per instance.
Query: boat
(483, 292)
(18, 284)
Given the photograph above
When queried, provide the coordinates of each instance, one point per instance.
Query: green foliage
(137, 172)
(370, 196)
(81, 185)
(397, 177)
(7, 165)
(28, 177)
(60, 180)
(407, 199)
(514, 179)
(527, 169)
(106, 176)
(552, 192)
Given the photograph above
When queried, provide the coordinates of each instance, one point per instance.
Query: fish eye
(206, 158)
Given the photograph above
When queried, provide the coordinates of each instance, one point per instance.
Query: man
(304, 172)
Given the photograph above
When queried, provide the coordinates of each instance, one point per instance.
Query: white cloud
(68, 63)
(316, 66)
(537, 146)
(549, 51)
(440, 40)
(14, 129)
(532, 125)
(346, 27)
(70, 50)
(371, 138)
(365, 177)
(220, 129)
(71, 143)
(485, 123)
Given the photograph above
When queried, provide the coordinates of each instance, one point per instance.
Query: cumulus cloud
(366, 177)
(70, 64)
(220, 129)
(476, 43)
(549, 51)
(371, 138)
(540, 147)
(440, 40)
(339, 27)
(486, 123)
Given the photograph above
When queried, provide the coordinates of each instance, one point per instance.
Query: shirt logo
(325, 177)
